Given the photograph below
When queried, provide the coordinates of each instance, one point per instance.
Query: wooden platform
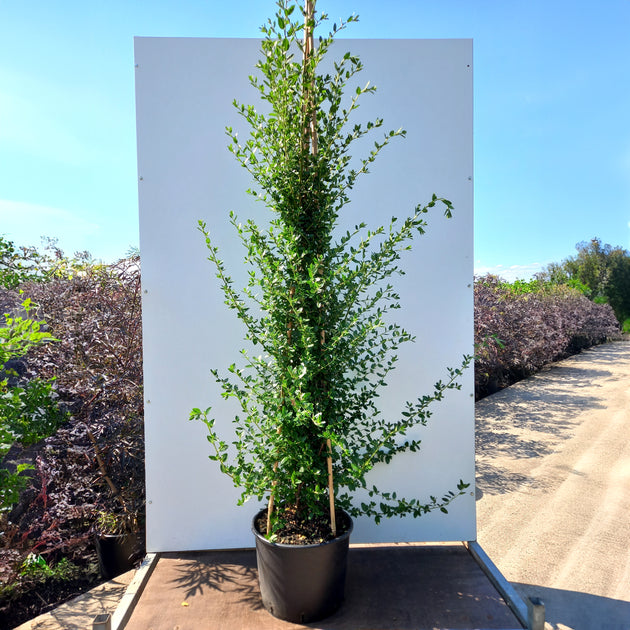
(388, 587)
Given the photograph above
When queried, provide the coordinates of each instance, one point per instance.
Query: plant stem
(103, 469)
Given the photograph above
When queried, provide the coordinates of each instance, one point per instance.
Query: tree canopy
(600, 271)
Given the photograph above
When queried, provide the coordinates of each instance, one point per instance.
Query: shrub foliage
(94, 463)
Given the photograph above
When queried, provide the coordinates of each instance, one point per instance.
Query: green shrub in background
(19, 335)
(36, 569)
(29, 411)
(34, 572)
(19, 265)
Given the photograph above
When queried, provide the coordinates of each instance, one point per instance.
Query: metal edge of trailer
(530, 613)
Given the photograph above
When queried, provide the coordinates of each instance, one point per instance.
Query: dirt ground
(553, 487)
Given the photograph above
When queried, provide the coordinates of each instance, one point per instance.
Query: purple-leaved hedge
(517, 332)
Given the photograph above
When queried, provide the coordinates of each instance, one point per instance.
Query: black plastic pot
(302, 583)
(117, 553)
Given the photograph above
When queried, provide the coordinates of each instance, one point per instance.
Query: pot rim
(118, 536)
(338, 539)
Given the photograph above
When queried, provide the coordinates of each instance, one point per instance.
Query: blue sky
(552, 114)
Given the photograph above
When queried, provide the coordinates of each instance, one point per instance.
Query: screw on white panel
(469, 179)
(142, 178)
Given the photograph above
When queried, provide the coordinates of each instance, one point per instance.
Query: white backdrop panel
(184, 93)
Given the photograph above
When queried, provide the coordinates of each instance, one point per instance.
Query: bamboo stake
(272, 496)
(331, 490)
(310, 131)
(309, 13)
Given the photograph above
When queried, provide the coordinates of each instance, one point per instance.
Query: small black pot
(117, 553)
(302, 583)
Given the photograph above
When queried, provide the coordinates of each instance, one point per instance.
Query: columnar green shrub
(316, 306)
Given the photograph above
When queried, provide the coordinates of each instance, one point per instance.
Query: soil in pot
(303, 582)
(298, 530)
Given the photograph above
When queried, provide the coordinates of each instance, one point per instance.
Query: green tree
(600, 271)
(618, 289)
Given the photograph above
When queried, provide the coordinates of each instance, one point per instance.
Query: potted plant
(118, 522)
(119, 542)
(316, 312)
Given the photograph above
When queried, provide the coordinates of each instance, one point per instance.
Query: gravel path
(553, 487)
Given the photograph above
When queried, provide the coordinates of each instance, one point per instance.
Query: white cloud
(512, 272)
(24, 223)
